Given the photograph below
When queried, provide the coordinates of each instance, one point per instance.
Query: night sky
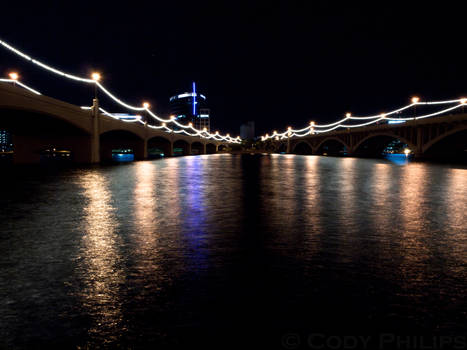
(277, 63)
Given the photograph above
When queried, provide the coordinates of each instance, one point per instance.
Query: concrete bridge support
(38, 123)
(95, 142)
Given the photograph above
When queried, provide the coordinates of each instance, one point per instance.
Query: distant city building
(190, 107)
(203, 120)
(247, 130)
(5, 141)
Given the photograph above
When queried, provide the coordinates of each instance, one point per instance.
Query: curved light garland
(323, 128)
(16, 81)
(200, 133)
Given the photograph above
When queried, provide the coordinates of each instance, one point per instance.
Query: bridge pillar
(419, 144)
(217, 148)
(145, 149)
(171, 149)
(204, 148)
(351, 145)
(288, 145)
(95, 142)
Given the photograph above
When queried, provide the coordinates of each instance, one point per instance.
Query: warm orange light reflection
(412, 214)
(456, 216)
(147, 233)
(100, 260)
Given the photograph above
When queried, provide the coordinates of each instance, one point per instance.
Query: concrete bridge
(38, 122)
(436, 137)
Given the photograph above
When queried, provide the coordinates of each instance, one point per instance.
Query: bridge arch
(198, 147)
(107, 124)
(181, 147)
(211, 148)
(434, 141)
(378, 142)
(281, 147)
(45, 111)
(39, 134)
(303, 147)
(222, 147)
(120, 141)
(159, 146)
(451, 145)
(332, 145)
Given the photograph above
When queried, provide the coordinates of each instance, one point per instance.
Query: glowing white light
(415, 100)
(28, 88)
(13, 76)
(376, 118)
(95, 79)
(96, 76)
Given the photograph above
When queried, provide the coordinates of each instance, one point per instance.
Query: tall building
(5, 141)
(190, 107)
(203, 120)
(247, 130)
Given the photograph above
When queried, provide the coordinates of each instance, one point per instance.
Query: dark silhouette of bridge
(37, 122)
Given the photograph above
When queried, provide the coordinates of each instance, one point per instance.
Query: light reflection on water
(152, 252)
(99, 264)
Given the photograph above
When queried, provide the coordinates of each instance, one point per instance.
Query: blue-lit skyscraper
(190, 107)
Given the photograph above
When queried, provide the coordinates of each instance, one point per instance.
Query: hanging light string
(199, 133)
(323, 128)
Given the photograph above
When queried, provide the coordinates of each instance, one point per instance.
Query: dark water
(231, 251)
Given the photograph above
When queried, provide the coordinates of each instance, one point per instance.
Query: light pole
(146, 106)
(14, 76)
(415, 101)
(96, 77)
(312, 127)
(95, 153)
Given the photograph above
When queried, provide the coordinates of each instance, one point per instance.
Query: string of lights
(95, 80)
(16, 81)
(314, 128)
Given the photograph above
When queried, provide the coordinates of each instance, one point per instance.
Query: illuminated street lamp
(463, 102)
(146, 105)
(406, 152)
(415, 100)
(96, 77)
(14, 76)
(347, 115)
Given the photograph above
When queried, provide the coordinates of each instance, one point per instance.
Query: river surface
(231, 250)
